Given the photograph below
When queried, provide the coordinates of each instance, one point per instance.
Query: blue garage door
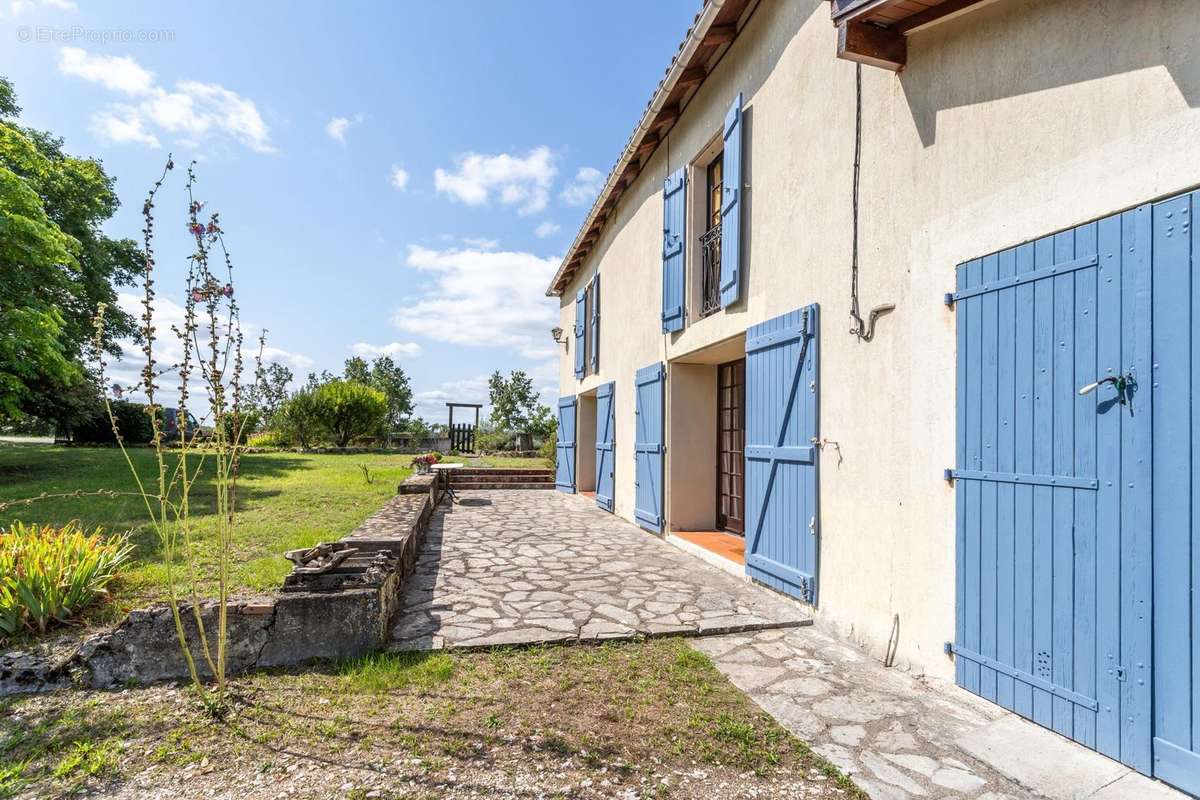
(1053, 482)
(606, 424)
(781, 459)
(564, 454)
(648, 447)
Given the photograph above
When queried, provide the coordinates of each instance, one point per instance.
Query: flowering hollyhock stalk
(211, 340)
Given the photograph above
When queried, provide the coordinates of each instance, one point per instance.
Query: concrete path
(901, 737)
(519, 567)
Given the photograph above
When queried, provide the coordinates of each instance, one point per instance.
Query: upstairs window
(710, 239)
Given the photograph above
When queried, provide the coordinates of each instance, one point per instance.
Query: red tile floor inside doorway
(726, 545)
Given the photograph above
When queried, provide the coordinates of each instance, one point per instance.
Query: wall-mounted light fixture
(557, 333)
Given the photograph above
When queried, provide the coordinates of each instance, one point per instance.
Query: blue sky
(399, 177)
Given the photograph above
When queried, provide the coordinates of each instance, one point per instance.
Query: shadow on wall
(967, 61)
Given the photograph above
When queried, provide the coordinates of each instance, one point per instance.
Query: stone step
(496, 471)
(457, 479)
(466, 486)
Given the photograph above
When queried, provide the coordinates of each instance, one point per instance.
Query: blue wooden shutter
(649, 447)
(1175, 395)
(606, 423)
(731, 206)
(1052, 486)
(580, 310)
(595, 324)
(781, 459)
(564, 462)
(674, 193)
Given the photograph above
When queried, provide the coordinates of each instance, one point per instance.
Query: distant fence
(462, 437)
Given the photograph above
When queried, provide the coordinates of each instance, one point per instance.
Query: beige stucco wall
(1009, 122)
(691, 471)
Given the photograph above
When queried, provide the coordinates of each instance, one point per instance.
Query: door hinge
(948, 299)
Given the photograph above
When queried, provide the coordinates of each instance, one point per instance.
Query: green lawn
(285, 501)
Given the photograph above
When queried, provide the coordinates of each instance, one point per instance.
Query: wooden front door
(731, 446)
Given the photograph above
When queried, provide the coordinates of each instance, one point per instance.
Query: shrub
(549, 448)
(491, 441)
(49, 574)
(249, 420)
(348, 410)
(299, 420)
(272, 438)
(133, 422)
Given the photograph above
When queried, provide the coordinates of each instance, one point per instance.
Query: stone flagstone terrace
(521, 567)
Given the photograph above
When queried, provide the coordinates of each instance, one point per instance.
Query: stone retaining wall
(339, 614)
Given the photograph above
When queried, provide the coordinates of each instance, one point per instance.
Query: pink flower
(197, 295)
(196, 228)
(228, 290)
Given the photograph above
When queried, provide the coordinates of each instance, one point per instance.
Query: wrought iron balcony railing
(710, 271)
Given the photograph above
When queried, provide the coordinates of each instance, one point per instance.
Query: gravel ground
(649, 719)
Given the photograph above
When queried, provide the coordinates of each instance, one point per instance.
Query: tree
(417, 428)
(514, 402)
(300, 419)
(388, 377)
(56, 267)
(349, 410)
(544, 424)
(270, 390)
(357, 371)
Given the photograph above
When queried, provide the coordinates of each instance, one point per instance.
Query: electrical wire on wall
(864, 330)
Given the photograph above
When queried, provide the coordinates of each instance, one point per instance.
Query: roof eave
(653, 123)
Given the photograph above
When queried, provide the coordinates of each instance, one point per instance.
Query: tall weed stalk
(211, 366)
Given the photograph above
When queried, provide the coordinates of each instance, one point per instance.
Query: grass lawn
(509, 462)
(285, 501)
(649, 719)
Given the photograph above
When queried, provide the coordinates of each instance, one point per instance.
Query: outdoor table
(448, 469)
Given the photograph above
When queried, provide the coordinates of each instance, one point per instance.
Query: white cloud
(193, 111)
(398, 178)
(430, 404)
(395, 350)
(483, 299)
(514, 180)
(280, 356)
(338, 127)
(481, 244)
(546, 229)
(168, 352)
(118, 73)
(583, 189)
(18, 7)
(124, 126)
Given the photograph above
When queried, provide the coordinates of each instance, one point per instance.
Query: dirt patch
(636, 720)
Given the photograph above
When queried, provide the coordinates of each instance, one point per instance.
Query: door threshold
(725, 551)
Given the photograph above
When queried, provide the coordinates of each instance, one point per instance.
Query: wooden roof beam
(666, 117)
(929, 16)
(719, 34)
(872, 45)
(692, 76)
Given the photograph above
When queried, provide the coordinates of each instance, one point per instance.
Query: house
(898, 296)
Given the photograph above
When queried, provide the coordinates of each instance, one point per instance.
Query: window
(710, 240)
